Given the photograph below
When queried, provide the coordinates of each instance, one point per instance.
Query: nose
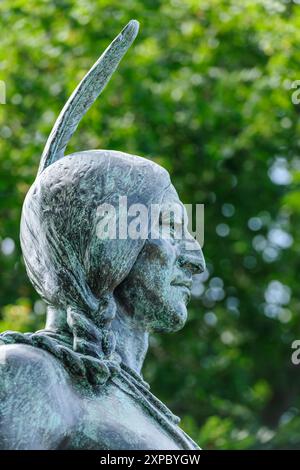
(191, 257)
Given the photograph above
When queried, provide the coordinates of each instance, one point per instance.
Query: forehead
(171, 196)
(171, 202)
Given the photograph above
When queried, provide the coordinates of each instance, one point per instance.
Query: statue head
(83, 275)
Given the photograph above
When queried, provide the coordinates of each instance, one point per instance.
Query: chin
(175, 319)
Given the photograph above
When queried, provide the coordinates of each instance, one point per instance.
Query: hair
(73, 270)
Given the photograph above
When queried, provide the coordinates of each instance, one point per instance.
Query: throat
(56, 320)
(132, 340)
(132, 337)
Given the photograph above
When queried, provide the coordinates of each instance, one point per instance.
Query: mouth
(185, 285)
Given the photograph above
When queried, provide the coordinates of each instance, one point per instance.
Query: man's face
(158, 288)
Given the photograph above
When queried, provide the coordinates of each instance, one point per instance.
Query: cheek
(159, 253)
(157, 265)
(148, 286)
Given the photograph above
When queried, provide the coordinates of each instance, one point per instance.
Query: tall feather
(85, 94)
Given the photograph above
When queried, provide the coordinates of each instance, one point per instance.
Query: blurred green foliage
(206, 92)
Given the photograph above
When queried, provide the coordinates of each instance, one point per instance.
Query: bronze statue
(77, 383)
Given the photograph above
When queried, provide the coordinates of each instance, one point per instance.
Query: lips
(186, 289)
(183, 283)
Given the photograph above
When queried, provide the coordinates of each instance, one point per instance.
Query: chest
(116, 421)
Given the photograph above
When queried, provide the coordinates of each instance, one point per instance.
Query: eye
(191, 264)
(167, 223)
(172, 223)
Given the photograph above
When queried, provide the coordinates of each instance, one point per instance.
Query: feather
(85, 94)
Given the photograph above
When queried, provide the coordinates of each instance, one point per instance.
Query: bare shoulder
(34, 395)
(24, 365)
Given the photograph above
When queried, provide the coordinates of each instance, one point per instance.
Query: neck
(56, 320)
(132, 340)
